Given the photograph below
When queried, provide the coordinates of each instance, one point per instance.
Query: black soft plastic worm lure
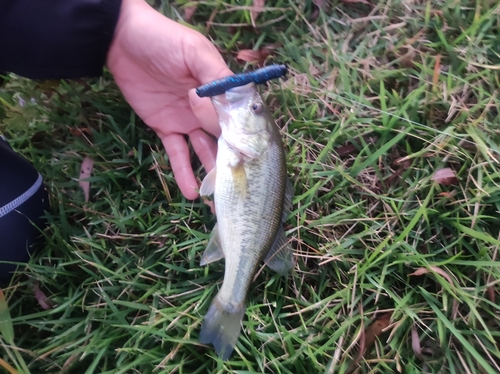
(258, 76)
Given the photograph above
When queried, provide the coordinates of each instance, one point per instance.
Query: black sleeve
(51, 39)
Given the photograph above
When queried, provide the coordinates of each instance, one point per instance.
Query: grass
(395, 273)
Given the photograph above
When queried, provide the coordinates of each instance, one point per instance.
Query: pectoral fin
(208, 185)
(213, 252)
(280, 256)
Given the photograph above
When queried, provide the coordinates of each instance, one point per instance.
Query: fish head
(245, 121)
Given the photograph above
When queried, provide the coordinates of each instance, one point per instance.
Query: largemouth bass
(252, 198)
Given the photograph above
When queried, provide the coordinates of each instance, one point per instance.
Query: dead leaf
(357, 1)
(258, 56)
(314, 15)
(406, 55)
(69, 362)
(42, 299)
(8, 367)
(376, 329)
(435, 269)
(258, 7)
(252, 56)
(446, 194)
(86, 172)
(416, 37)
(76, 131)
(347, 149)
(490, 291)
(189, 12)
(437, 68)
(350, 148)
(322, 4)
(249, 55)
(210, 203)
(367, 337)
(445, 177)
(415, 341)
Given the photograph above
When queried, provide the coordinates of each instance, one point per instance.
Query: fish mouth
(238, 97)
(237, 94)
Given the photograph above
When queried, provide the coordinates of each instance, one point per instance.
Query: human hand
(157, 62)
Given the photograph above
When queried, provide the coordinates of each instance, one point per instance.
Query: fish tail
(222, 326)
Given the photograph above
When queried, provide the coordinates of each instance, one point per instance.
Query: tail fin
(221, 327)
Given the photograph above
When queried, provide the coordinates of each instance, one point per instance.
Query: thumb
(204, 113)
(206, 65)
(204, 60)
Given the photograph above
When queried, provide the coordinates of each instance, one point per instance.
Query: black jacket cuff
(52, 39)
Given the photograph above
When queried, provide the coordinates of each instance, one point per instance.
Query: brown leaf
(490, 291)
(435, 269)
(322, 4)
(445, 177)
(314, 15)
(446, 194)
(406, 55)
(69, 362)
(42, 299)
(415, 341)
(8, 367)
(249, 55)
(347, 149)
(86, 172)
(189, 12)
(357, 1)
(350, 148)
(210, 203)
(437, 68)
(256, 56)
(368, 336)
(258, 7)
(375, 330)
(76, 131)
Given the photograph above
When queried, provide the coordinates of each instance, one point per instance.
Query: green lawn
(379, 98)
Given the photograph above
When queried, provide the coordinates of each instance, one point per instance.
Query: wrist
(132, 14)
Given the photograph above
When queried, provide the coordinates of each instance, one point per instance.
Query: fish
(252, 197)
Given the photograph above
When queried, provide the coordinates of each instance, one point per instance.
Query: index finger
(178, 154)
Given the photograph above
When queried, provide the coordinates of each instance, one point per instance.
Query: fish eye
(257, 108)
